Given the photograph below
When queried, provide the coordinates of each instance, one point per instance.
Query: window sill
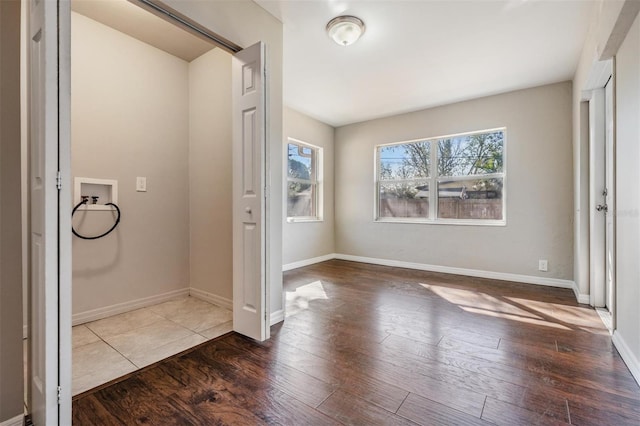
(303, 219)
(462, 222)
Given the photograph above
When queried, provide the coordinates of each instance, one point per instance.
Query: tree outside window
(466, 184)
(303, 192)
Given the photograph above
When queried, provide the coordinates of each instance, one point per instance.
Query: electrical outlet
(141, 184)
(543, 265)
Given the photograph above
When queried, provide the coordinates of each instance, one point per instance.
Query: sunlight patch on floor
(298, 300)
(516, 309)
(520, 318)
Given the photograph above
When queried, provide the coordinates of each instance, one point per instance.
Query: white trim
(276, 317)
(503, 276)
(599, 74)
(16, 421)
(25, 332)
(581, 298)
(119, 308)
(307, 262)
(223, 302)
(627, 355)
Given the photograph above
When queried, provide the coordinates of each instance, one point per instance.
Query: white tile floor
(112, 347)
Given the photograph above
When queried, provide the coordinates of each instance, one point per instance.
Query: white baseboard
(16, 421)
(502, 276)
(223, 302)
(581, 298)
(307, 262)
(276, 317)
(627, 355)
(107, 311)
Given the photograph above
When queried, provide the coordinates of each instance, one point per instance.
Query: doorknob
(248, 210)
(601, 207)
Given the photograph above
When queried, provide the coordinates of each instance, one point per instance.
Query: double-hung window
(452, 179)
(304, 191)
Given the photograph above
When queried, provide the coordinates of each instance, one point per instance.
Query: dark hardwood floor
(369, 345)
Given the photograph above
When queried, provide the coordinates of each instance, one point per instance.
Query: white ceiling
(132, 20)
(422, 53)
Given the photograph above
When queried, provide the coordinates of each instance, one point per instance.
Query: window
(451, 179)
(304, 189)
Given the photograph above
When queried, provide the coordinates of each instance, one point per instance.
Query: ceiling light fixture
(345, 30)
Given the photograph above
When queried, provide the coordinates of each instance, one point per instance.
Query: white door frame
(610, 198)
(596, 198)
(594, 92)
(49, 224)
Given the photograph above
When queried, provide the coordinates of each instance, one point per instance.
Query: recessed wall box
(106, 191)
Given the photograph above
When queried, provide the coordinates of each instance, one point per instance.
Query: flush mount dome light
(345, 30)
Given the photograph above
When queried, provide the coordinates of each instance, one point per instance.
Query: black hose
(98, 236)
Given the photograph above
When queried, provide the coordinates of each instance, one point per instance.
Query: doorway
(142, 140)
(602, 195)
(56, 17)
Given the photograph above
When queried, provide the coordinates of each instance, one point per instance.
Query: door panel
(249, 148)
(596, 198)
(43, 164)
(609, 198)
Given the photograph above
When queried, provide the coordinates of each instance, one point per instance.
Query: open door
(50, 328)
(610, 211)
(597, 195)
(249, 168)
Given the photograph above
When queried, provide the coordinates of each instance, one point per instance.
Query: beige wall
(628, 196)
(245, 23)
(129, 118)
(11, 378)
(306, 240)
(538, 187)
(210, 178)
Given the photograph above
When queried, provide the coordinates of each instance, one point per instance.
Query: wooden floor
(367, 345)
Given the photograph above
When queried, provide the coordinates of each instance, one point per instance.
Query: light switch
(141, 184)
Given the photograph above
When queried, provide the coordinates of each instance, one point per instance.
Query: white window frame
(318, 182)
(433, 181)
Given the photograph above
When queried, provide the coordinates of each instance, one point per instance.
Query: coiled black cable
(97, 236)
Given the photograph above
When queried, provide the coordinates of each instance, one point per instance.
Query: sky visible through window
(301, 155)
(464, 155)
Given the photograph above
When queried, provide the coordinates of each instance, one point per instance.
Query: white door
(50, 317)
(609, 199)
(597, 198)
(249, 168)
(602, 198)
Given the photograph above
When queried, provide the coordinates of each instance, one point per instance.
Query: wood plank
(391, 346)
(502, 413)
(360, 384)
(350, 410)
(429, 413)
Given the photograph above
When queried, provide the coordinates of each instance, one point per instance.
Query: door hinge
(59, 180)
(59, 394)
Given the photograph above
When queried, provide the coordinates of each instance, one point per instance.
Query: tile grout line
(193, 333)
